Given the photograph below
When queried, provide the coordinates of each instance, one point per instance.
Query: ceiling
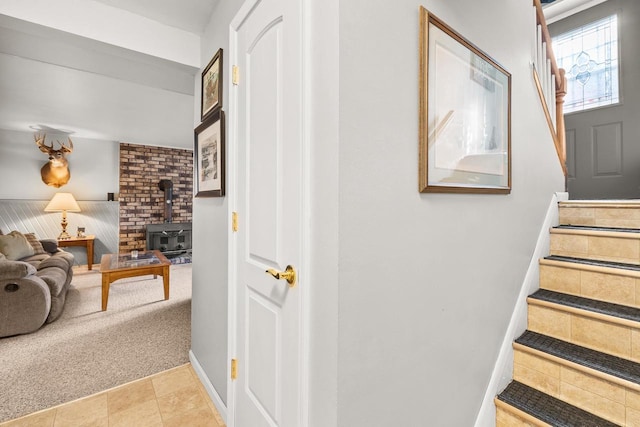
(64, 83)
(189, 15)
(555, 10)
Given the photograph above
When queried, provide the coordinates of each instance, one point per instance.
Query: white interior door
(268, 202)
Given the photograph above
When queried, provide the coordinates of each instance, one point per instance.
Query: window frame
(586, 22)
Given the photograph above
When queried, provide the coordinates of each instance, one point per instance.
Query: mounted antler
(56, 171)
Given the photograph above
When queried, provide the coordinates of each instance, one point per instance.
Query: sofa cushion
(54, 277)
(35, 260)
(15, 246)
(15, 269)
(67, 256)
(62, 260)
(35, 243)
(57, 305)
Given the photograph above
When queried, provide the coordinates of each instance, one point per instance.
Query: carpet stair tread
(548, 408)
(595, 306)
(603, 362)
(600, 203)
(593, 262)
(597, 228)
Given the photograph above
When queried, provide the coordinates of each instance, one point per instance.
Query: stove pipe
(167, 186)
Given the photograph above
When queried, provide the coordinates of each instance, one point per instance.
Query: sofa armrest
(24, 305)
(15, 270)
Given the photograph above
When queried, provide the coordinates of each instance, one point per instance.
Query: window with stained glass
(589, 55)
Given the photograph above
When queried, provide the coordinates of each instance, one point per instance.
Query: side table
(86, 241)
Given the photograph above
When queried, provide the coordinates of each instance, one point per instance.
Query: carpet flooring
(87, 350)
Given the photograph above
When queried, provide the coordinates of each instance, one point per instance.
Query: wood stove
(172, 239)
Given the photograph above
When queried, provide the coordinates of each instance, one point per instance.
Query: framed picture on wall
(208, 156)
(465, 115)
(211, 86)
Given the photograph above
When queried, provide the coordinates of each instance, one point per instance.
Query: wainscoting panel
(97, 217)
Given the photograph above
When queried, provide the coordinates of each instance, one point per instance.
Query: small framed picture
(211, 85)
(208, 160)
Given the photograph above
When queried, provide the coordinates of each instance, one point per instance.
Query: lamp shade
(62, 202)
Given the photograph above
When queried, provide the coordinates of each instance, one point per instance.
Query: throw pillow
(15, 246)
(35, 244)
(49, 245)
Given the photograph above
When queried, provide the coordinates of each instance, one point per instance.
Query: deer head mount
(56, 171)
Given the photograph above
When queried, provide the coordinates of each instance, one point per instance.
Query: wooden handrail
(557, 130)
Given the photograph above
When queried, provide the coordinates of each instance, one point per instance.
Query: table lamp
(63, 202)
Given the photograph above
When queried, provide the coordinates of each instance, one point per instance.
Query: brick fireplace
(142, 202)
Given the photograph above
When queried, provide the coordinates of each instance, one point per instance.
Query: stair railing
(551, 84)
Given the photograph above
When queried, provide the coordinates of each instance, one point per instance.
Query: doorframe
(304, 270)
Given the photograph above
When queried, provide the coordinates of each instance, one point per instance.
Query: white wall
(323, 317)
(209, 300)
(503, 369)
(427, 282)
(94, 167)
(410, 294)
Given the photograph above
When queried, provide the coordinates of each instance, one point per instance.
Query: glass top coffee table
(117, 266)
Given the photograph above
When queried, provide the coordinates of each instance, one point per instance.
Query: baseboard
(213, 394)
(503, 369)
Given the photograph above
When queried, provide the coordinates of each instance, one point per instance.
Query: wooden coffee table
(115, 266)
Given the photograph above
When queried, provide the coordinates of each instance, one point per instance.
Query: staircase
(578, 362)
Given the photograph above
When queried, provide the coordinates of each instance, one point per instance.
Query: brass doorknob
(289, 274)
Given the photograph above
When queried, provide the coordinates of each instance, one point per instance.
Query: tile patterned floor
(171, 398)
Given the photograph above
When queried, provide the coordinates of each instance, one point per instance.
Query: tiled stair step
(611, 213)
(608, 281)
(598, 243)
(612, 368)
(548, 409)
(608, 327)
(616, 311)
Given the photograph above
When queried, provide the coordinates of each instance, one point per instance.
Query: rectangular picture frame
(209, 156)
(465, 115)
(211, 86)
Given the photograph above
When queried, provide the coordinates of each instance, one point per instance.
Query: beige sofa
(33, 283)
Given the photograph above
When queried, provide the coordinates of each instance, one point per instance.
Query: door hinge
(234, 221)
(235, 77)
(234, 369)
